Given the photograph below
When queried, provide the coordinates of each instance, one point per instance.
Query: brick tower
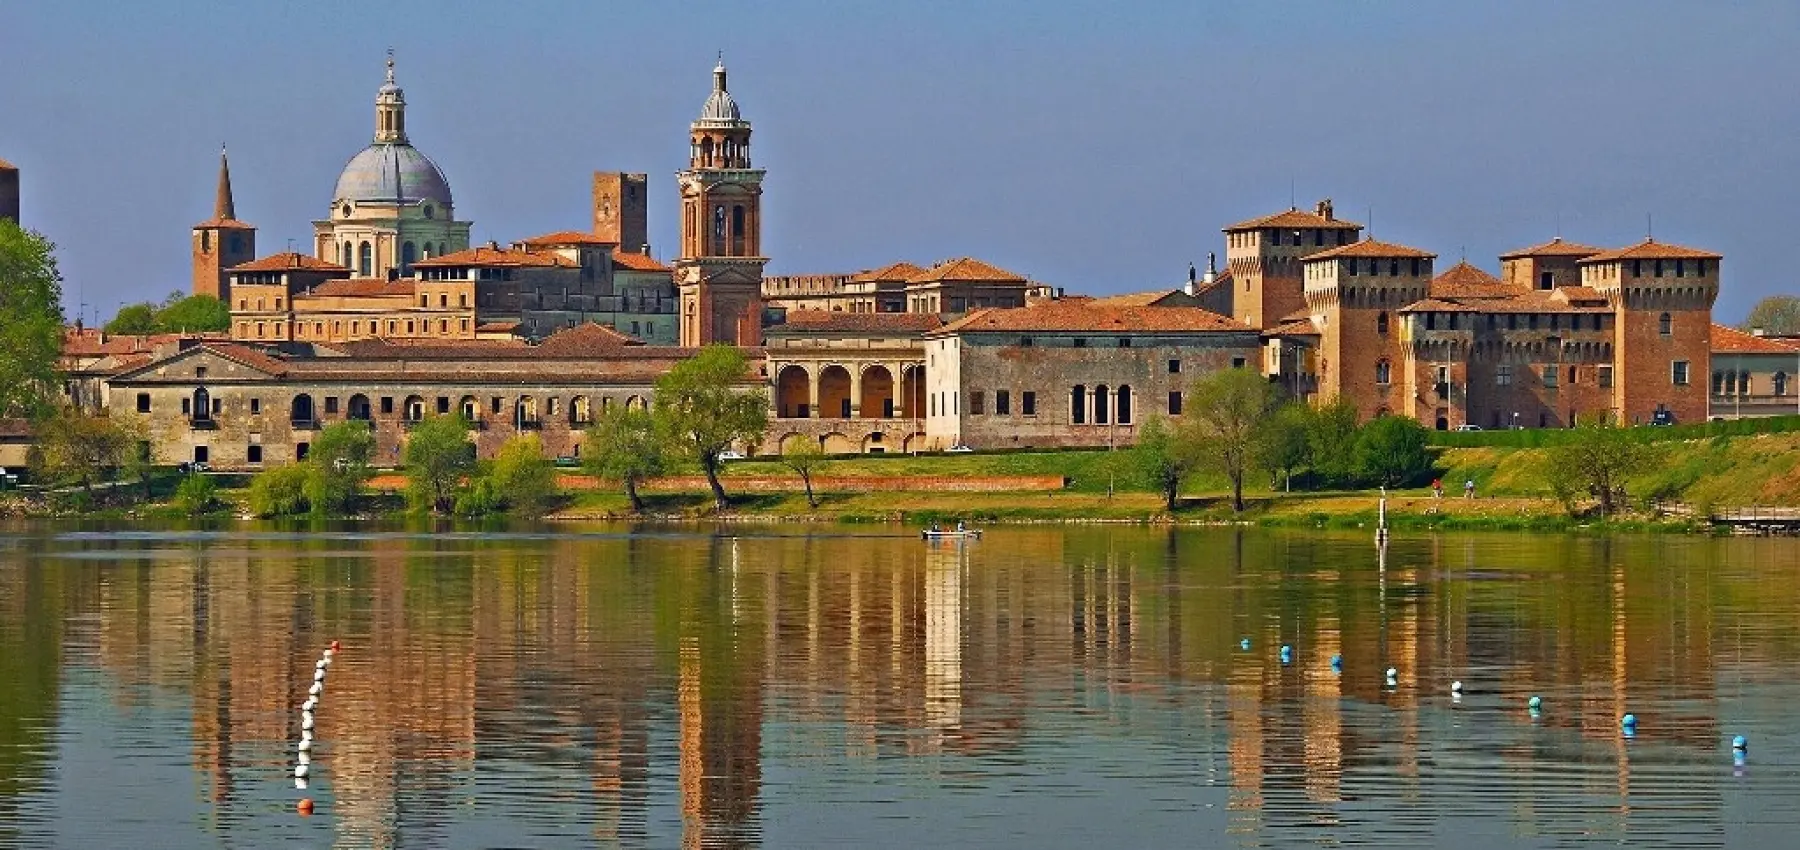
(1264, 256)
(720, 269)
(9, 191)
(1662, 296)
(221, 242)
(1354, 294)
(622, 210)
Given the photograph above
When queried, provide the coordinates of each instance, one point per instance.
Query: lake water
(854, 687)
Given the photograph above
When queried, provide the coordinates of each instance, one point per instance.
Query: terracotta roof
(289, 260)
(1153, 298)
(828, 321)
(1072, 316)
(7, 166)
(1534, 301)
(1294, 217)
(1370, 247)
(92, 342)
(361, 287)
(1650, 249)
(965, 268)
(1553, 248)
(566, 237)
(497, 327)
(1579, 295)
(246, 355)
(1466, 281)
(224, 224)
(901, 272)
(486, 256)
(584, 339)
(1438, 305)
(631, 261)
(1298, 327)
(1727, 340)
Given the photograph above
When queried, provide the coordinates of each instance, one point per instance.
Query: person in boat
(959, 527)
(935, 528)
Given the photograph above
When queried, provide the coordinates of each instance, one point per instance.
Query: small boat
(952, 534)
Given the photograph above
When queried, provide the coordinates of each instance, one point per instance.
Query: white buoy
(316, 689)
(299, 771)
(1456, 687)
(320, 664)
(1391, 673)
(305, 744)
(310, 704)
(300, 784)
(304, 759)
(306, 735)
(319, 675)
(306, 720)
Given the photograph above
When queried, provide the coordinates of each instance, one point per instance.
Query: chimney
(1756, 331)
(1191, 278)
(1324, 210)
(1212, 267)
(646, 249)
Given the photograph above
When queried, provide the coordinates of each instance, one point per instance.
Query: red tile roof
(224, 224)
(1073, 316)
(1727, 340)
(247, 355)
(1294, 217)
(1554, 248)
(630, 261)
(566, 237)
(1370, 247)
(92, 342)
(361, 287)
(1579, 295)
(965, 269)
(829, 321)
(288, 260)
(893, 272)
(1466, 281)
(497, 257)
(1153, 298)
(1438, 305)
(1297, 327)
(584, 340)
(1650, 249)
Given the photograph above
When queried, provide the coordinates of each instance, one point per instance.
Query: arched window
(365, 263)
(408, 254)
(1078, 405)
(1381, 324)
(1780, 381)
(1100, 405)
(441, 251)
(1743, 383)
(737, 220)
(1122, 407)
(1665, 324)
(347, 258)
(1384, 372)
(1718, 383)
(202, 405)
(302, 412)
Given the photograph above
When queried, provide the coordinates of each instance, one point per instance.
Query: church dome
(394, 173)
(719, 105)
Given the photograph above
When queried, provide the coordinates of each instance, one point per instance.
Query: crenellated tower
(221, 241)
(719, 273)
(1265, 255)
(1355, 294)
(1662, 298)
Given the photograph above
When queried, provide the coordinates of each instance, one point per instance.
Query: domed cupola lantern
(392, 205)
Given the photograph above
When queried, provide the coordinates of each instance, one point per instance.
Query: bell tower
(221, 242)
(719, 273)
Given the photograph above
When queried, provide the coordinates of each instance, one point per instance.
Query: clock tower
(719, 273)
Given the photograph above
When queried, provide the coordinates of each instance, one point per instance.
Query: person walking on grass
(1469, 489)
(1437, 488)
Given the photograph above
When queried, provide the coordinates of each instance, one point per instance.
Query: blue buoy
(1287, 653)
(1740, 744)
(1391, 673)
(1244, 644)
(1535, 703)
(1628, 724)
(1337, 662)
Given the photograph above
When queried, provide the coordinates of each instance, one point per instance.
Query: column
(899, 371)
(812, 392)
(856, 391)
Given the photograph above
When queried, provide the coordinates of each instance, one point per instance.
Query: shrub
(523, 480)
(281, 491)
(197, 495)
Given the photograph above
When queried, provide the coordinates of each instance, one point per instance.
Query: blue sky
(1097, 146)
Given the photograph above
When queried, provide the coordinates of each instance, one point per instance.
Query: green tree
(1221, 420)
(193, 314)
(703, 407)
(1282, 445)
(281, 490)
(1776, 314)
(1596, 462)
(1390, 451)
(438, 456)
(1162, 459)
(338, 466)
(71, 446)
(623, 444)
(1331, 442)
(804, 455)
(133, 319)
(31, 321)
(522, 477)
(197, 494)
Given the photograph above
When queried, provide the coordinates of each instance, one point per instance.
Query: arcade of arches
(849, 391)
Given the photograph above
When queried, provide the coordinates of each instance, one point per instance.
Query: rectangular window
(1024, 342)
(1604, 374)
(1174, 402)
(1028, 403)
(254, 454)
(977, 403)
(1174, 367)
(1678, 373)
(496, 405)
(1080, 342)
(1237, 362)
(331, 404)
(1546, 280)
(143, 402)
(1002, 403)
(301, 450)
(1503, 375)
(255, 406)
(186, 408)
(1550, 376)
(1124, 342)
(443, 404)
(387, 404)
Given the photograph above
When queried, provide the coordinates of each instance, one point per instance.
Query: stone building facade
(855, 382)
(1070, 372)
(1753, 375)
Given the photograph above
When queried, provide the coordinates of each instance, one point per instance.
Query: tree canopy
(524, 480)
(178, 313)
(1162, 458)
(1777, 314)
(623, 444)
(703, 409)
(31, 322)
(1596, 463)
(71, 446)
(1390, 451)
(803, 455)
(1223, 414)
(438, 456)
(339, 465)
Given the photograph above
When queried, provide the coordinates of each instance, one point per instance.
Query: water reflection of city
(597, 679)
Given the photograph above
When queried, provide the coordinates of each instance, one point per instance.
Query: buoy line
(303, 749)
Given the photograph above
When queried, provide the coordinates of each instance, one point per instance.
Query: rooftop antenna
(290, 244)
(1559, 224)
(1649, 227)
(1371, 231)
(1293, 202)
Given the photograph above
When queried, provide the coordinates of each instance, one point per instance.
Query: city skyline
(1087, 151)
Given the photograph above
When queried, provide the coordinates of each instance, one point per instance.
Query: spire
(223, 208)
(390, 66)
(390, 109)
(719, 73)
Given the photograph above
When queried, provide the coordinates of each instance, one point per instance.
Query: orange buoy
(305, 806)
(334, 646)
